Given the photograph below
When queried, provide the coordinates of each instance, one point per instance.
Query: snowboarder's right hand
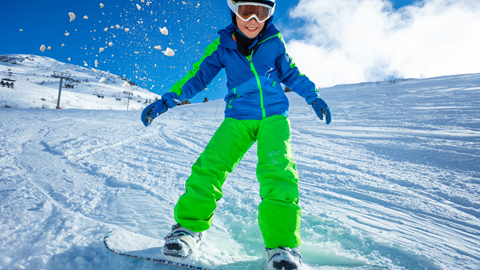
(168, 101)
(152, 111)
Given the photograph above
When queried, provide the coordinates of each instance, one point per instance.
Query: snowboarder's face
(250, 29)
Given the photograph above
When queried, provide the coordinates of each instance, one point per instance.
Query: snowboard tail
(140, 247)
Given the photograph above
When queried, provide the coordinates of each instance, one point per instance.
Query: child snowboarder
(252, 51)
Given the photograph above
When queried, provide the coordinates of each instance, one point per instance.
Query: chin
(251, 34)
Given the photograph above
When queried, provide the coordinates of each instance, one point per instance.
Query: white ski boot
(284, 259)
(182, 242)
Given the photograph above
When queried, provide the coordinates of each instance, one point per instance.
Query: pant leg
(194, 209)
(279, 214)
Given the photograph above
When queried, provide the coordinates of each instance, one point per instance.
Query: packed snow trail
(393, 181)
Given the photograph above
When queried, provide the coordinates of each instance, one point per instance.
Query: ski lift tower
(8, 76)
(61, 75)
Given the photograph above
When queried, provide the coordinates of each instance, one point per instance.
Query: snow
(169, 52)
(36, 88)
(394, 181)
(164, 31)
(72, 16)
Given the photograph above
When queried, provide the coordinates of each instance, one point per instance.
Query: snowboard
(136, 246)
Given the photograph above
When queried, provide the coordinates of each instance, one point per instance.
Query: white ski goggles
(247, 11)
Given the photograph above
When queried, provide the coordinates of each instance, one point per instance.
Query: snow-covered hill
(393, 182)
(36, 88)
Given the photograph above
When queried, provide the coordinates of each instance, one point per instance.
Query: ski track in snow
(393, 182)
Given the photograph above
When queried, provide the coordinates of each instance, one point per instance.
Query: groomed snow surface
(394, 181)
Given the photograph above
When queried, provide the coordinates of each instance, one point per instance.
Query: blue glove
(169, 100)
(321, 108)
(152, 111)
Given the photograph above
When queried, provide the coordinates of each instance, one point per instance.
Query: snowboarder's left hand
(321, 108)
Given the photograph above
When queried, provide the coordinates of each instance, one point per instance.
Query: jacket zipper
(252, 68)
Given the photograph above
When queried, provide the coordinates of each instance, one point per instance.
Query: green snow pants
(279, 214)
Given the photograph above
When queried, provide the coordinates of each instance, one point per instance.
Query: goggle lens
(246, 12)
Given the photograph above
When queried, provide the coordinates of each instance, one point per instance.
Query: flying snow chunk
(148, 4)
(63, 44)
(94, 70)
(101, 5)
(96, 63)
(158, 47)
(42, 48)
(72, 16)
(106, 29)
(169, 52)
(117, 26)
(139, 7)
(127, 29)
(126, 85)
(110, 44)
(164, 31)
(85, 63)
(101, 49)
(49, 48)
(21, 30)
(67, 34)
(69, 59)
(85, 17)
(102, 80)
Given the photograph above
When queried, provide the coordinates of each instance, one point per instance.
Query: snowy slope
(394, 181)
(36, 88)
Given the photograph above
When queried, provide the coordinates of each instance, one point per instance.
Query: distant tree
(205, 100)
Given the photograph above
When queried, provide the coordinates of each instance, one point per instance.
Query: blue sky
(191, 25)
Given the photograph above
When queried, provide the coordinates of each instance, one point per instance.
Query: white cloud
(348, 41)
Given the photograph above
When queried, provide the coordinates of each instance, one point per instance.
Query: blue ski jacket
(253, 82)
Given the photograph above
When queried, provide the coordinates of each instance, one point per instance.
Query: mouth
(252, 29)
